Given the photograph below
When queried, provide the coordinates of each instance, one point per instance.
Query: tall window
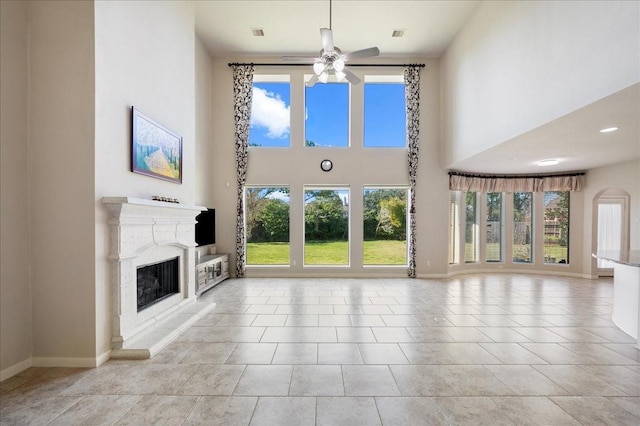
(494, 227)
(454, 227)
(523, 227)
(327, 115)
(556, 227)
(270, 111)
(326, 226)
(471, 239)
(385, 120)
(385, 226)
(267, 225)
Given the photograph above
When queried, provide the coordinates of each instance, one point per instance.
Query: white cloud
(268, 110)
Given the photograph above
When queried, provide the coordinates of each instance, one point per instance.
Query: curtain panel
(515, 183)
(242, 96)
(412, 102)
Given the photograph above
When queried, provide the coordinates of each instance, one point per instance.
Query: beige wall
(517, 65)
(15, 287)
(625, 177)
(61, 181)
(145, 57)
(204, 130)
(355, 167)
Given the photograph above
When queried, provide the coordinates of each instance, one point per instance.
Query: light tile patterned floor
(481, 349)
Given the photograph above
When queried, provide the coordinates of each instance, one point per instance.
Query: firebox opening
(157, 282)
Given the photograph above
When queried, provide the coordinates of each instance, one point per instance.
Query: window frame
(501, 226)
(348, 115)
(396, 79)
(246, 228)
(307, 188)
(271, 78)
(406, 190)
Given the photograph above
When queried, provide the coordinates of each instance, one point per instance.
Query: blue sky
(327, 115)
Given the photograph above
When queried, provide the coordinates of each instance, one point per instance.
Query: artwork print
(156, 151)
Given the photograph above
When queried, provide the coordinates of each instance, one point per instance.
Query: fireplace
(152, 254)
(157, 282)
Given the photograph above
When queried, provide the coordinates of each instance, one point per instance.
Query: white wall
(15, 288)
(355, 166)
(624, 176)
(517, 65)
(145, 57)
(204, 130)
(61, 181)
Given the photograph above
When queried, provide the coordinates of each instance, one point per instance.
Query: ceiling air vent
(397, 33)
(257, 32)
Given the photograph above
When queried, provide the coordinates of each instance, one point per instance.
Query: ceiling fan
(331, 60)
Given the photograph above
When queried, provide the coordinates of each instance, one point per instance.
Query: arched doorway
(611, 223)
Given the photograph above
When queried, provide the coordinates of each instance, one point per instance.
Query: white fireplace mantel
(143, 232)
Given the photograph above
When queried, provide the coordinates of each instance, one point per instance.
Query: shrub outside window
(267, 225)
(326, 226)
(556, 227)
(385, 226)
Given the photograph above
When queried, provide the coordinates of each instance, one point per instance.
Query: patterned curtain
(412, 101)
(242, 94)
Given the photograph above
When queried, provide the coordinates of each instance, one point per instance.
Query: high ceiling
(291, 27)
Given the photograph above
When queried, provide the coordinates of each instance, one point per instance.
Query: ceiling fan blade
(327, 39)
(309, 59)
(312, 81)
(351, 77)
(364, 53)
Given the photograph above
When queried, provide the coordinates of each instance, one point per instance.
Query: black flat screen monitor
(206, 227)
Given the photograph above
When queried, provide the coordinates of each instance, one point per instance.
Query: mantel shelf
(150, 203)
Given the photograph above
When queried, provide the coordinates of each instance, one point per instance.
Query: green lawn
(385, 252)
(380, 252)
(267, 253)
(326, 253)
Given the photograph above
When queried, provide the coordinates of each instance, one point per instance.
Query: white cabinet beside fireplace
(211, 270)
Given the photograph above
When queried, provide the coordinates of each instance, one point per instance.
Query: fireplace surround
(146, 232)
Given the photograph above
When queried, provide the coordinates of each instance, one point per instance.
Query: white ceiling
(291, 27)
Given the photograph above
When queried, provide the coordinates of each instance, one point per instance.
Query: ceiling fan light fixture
(323, 77)
(338, 64)
(318, 67)
(340, 76)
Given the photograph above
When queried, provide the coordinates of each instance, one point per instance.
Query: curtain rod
(534, 176)
(284, 64)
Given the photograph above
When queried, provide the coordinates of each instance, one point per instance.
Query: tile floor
(481, 349)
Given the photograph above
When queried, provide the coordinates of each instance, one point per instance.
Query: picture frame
(155, 150)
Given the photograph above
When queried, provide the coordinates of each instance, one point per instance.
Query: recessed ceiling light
(549, 162)
(397, 33)
(257, 32)
(608, 129)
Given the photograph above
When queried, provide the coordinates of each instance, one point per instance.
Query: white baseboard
(15, 369)
(515, 271)
(54, 362)
(102, 358)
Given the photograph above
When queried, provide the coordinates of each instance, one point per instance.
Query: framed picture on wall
(155, 150)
